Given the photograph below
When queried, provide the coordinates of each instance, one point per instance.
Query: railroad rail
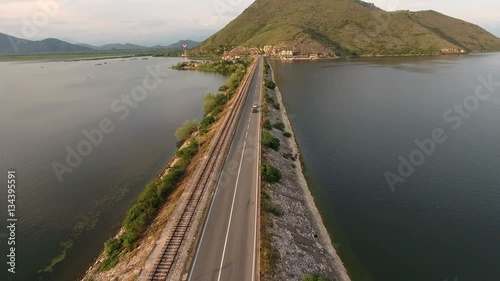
(218, 146)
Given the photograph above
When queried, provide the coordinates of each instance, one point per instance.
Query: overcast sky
(151, 22)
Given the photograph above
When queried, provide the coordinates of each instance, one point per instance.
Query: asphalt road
(228, 244)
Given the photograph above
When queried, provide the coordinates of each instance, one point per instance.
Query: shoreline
(323, 237)
(134, 264)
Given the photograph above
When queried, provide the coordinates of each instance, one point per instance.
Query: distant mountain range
(10, 45)
(128, 46)
(345, 27)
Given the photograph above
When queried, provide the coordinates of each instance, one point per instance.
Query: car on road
(255, 108)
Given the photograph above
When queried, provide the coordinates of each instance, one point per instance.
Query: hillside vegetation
(346, 27)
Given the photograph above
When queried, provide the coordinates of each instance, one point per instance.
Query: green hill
(346, 27)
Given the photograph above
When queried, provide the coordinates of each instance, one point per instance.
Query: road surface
(228, 247)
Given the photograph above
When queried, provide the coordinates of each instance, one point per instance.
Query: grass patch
(269, 254)
(289, 156)
(267, 125)
(270, 141)
(205, 123)
(270, 84)
(279, 126)
(272, 208)
(270, 174)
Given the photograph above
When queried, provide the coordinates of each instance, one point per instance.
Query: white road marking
(232, 209)
(256, 194)
(205, 227)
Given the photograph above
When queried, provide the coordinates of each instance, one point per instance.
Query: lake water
(354, 118)
(44, 108)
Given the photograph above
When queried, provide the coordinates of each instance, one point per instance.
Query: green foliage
(145, 209)
(266, 67)
(276, 106)
(347, 28)
(267, 125)
(269, 99)
(272, 208)
(287, 134)
(315, 277)
(270, 141)
(223, 66)
(223, 88)
(112, 249)
(289, 156)
(206, 122)
(214, 103)
(187, 153)
(270, 84)
(186, 130)
(209, 103)
(279, 125)
(269, 173)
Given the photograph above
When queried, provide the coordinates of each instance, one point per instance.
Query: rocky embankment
(299, 243)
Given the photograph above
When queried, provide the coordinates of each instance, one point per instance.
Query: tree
(209, 103)
(186, 130)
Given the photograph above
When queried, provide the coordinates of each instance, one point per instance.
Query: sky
(152, 22)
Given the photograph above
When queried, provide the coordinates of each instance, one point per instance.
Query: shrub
(276, 106)
(213, 103)
(112, 248)
(217, 111)
(186, 130)
(279, 125)
(289, 156)
(209, 103)
(142, 213)
(272, 208)
(267, 125)
(223, 88)
(270, 84)
(269, 99)
(269, 173)
(205, 123)
(187, 153)
(270, 141)
(287, 134)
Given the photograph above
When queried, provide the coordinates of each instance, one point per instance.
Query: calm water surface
(353, 119)
(44, 108)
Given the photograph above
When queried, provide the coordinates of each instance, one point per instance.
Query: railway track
(219, 145)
